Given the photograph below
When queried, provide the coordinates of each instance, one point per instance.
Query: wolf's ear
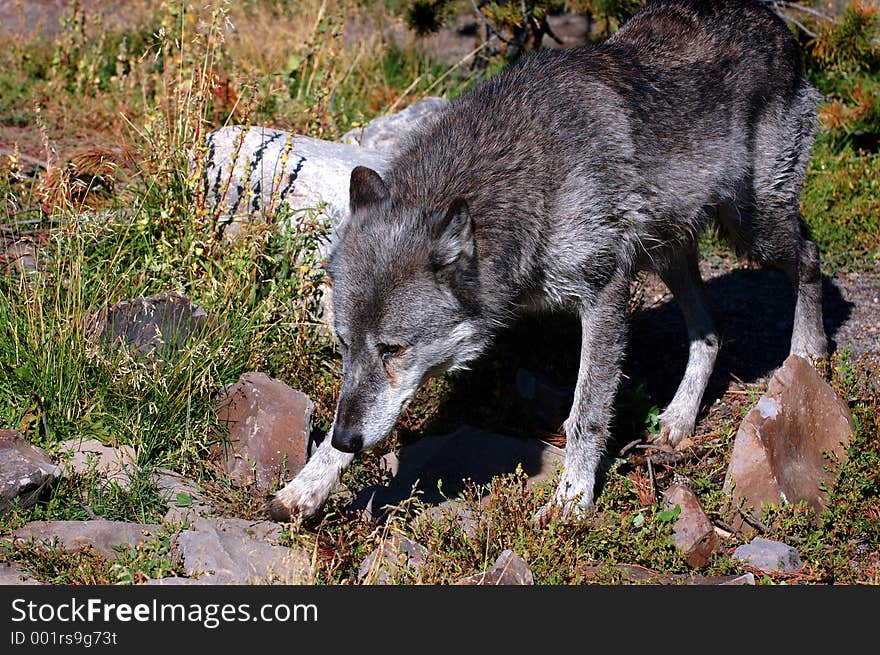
(454, 235)
(365, 188)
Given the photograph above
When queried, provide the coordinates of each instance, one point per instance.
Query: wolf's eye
(389, 351)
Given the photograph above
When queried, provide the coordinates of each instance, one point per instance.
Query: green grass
(841, 206)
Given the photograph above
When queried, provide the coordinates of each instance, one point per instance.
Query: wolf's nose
(347, 442)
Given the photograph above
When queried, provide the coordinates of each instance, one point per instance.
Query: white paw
(299, 498)
(673, 429)
(572, 503)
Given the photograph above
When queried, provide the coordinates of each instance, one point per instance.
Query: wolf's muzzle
(346, 441)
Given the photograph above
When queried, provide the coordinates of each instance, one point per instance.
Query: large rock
(257, 170)
(769, 556)
(464, 456)
(693, 533)
(779, 455)
(389, 132)
(269, 427)
(234, 551)
(393, 556)
(25, 471)
(145, 325)
(117, 465)
(100, 535)
(509, 569)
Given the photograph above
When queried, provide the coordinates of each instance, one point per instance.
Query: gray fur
(556, 182)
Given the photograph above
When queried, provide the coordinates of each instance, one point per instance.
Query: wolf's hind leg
(603, 323)
(808, 334)
(682, 276)
(307, 492)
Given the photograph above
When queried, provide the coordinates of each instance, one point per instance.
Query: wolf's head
(404, 303)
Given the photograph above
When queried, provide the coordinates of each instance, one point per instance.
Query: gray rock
(388, 132)
(769, 556)
(465, 456)
(117, 465)
(746, 579)
(393, 556)
(780, 451)
(186, 501)
(170, 484)
(176, 581)
(25, 471)
(254, 171)
(98, 534)
(451, 512)
(693, 535)
(145, 325)
(550, 401)
(18, 256)
(268, 531)
(509, 569)
(225, 551)
(269, 430)
(12, 574)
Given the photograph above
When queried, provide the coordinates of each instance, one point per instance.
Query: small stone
(392, 556)
(117, 465)
(269, 430)
(693, 535)
(769, 556)
(780, 454)
(18, 256)
(25, 471)
(509, 569)
(162, 323)
(99, 534)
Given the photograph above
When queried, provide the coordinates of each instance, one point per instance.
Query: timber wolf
(556, 182)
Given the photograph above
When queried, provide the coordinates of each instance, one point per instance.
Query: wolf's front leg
(308, 491)
(603, 322)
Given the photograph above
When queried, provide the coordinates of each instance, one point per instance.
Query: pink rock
(780, 454)
(694, 535)
(269, 425)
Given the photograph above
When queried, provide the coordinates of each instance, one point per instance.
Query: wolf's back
(743, 38)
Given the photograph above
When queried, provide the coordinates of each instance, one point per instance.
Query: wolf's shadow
(752, 308)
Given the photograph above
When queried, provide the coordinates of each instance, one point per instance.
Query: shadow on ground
(753, 310)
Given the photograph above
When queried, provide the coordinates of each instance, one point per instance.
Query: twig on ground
(632, 444)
